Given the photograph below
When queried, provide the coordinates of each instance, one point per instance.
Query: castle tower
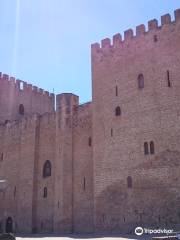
(63, 200)
(136, 107)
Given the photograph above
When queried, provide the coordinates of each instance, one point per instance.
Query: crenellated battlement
(23, 86)
(19, 98)
(108, 46)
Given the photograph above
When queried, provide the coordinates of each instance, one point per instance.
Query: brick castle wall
(101, 179)
(147, 114)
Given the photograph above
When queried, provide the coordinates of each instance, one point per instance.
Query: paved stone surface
(40, 237)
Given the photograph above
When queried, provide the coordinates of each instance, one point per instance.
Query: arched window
(140, 81)
(47, 169)
(45, 192)
(118, 111)
(129, 182)
(152, 147)
(146, 150)
(21, 109)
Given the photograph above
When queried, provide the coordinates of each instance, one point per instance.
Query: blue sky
(47, 42)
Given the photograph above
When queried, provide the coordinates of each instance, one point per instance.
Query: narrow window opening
(146, 149)
(58, 204)
(21, 86)
(129, 182)
(152, 147)
(140, 81)
(116, 91)
(118, 111)
(155, 38)
(168, 79)
(14, 192)
(124, 219)
(84, 184)
(21, 109)
(45, 192)
(90, 141)
(111, 132)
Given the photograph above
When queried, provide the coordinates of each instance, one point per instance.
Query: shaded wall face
(26, 146)
(63, 193)
(147, 114)
(83, 170)
(45, 184)
(18, 147)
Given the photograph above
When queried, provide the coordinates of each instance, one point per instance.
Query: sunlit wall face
(47, 42)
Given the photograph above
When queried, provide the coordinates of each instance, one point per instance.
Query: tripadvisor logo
(139, 231)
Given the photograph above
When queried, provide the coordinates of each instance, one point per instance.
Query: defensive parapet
(20, 98)
(107, 48)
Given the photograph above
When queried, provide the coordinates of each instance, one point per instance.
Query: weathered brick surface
(148, 114)
(92, 151)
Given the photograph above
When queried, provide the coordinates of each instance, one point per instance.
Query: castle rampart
(107, 48)
(20, 98)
